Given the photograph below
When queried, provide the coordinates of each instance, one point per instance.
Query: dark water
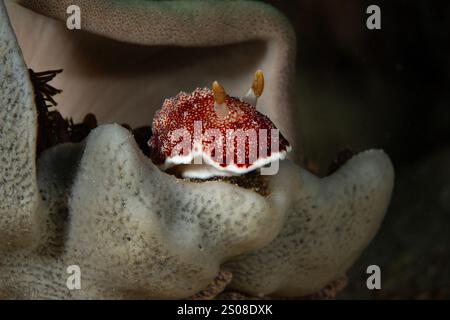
(389, 89)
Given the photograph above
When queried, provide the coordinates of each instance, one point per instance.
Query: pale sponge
(150, 50)
(330, 222)
(18, 123)
(137, 228)
(133, 230)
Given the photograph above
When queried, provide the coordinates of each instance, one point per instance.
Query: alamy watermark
(73, 281)
(374, 280)
(373, 22)
(73, 21)
(238, 147)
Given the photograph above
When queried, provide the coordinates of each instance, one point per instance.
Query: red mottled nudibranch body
(208, 133)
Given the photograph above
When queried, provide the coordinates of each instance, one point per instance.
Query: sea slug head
(208, 133)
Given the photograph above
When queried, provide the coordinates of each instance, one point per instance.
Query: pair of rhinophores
(208, 133)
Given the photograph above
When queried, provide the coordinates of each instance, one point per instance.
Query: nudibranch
(208, 133)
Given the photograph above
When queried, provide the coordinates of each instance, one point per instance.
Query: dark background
(387, 89)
